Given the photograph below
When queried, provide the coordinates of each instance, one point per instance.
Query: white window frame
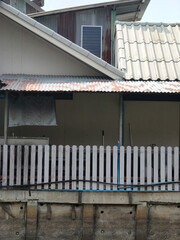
(82, 35)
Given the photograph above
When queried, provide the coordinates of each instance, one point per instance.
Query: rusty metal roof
(148, 51)
(30, 83)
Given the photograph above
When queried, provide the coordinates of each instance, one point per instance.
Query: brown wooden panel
(66, 25)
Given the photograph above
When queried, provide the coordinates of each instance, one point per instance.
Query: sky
(157, 11)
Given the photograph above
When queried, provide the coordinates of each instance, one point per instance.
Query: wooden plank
(60, 166)
(67, 167)
(135, 167)
(46, 166)
(163, 168)
(33, 165)
(94, 174)
(142, 167)
(149, 168)
(115, 167)
(128, 167)
(53, 166)
(5, 165)
(81, 167)
(39, 166)
(11, 169)
(19, 165)
(169, 167)
(121, 165)
(26, 165)
(74, 167)
(88, 169)
(101, 167)
(176, 168)
(108, 167)
(156, 167)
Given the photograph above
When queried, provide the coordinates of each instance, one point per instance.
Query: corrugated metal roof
(148, 51)
(84, 84)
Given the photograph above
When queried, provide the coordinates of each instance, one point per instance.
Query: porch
(89, 168)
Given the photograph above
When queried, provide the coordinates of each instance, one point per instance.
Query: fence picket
(101, 167)
(60, 166)
(156, 167)
(5, 165)
(53, 166)
(94, 174)
(142, 167)
(149, 167)
(11, 168)
(67, 167)
(81, 167)
(33, 165)
(19, 164)
(39, 166)
(46, 166)
(128, 167)
(74, 166)
(115, 167)
(121, 165)
(26, 165)
(163, 168)
(108, 167)
(135, 167)
(88, 169)
(169, 167)
(176, 168)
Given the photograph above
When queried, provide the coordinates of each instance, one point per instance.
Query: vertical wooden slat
(149, 167)
(11, 170)
(176, 168)
(101, 167)
(5, 165)
(46, 166)
(163, 167)
(115, 167)
(60, 166)
(142, 167)
(26, 165)
(121, 165)
(33, 164)
(169, 167)
(67, 166)
(108, 167)
(53, 166)
(81, 166)
(156, 167)
(74, 166)
(135, 167)
(87, 184)
(128, 167)
(94, 174)
(39, 166)
(19, 164)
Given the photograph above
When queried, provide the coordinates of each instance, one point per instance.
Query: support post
(121, 120)
(6, 118)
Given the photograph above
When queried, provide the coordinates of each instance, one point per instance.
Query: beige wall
(23, 52)
(152, 123)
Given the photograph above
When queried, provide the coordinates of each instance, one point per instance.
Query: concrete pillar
(31, 220)
(88, 222)
(141, 222)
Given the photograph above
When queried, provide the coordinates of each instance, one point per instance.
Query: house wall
(23, 52)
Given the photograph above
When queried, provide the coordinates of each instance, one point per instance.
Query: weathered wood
(135, 167)
(176, 168)
(5, 165)
(39, 167)
(53, 166)
(67, 166)
(94, 174)
(33, 165)
(162, 151)
(11, 169)
(60, 166)
(128, 167)
(26, 165)
(149, 167)
(121, 165)
(115, 167)
(81, 166)
(169, 167)
(108, 167)
(156, 167)
(101, 167)
(142, 167)
(74, 167)
(88, 169)
(19, 164)
(46, 166)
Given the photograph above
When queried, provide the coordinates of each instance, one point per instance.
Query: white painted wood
(156, 167)
(67, 167)
(169, 167)
(74, 167)
(121, 165)
(81, 167)
(128, 167)
(101, 167)
(108, 167)
(60, 166)
(33, 165)
(94, 174)
(135, 167)
(11, 169)
(26, 165)
(19, 165)
(88, 169)
(149, 168)
(115, 167)
(176, 168)
(39, 166)
(5, 165)
(142, 167)
(53, 166)
(163, 168)
(46, 166)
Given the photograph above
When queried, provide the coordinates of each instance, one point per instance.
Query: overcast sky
(157, 11)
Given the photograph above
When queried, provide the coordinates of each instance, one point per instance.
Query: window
(91, 39)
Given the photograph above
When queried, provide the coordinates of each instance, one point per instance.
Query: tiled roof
(83, 84)
(148, 51)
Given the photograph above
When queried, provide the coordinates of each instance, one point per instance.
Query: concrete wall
(25, 53)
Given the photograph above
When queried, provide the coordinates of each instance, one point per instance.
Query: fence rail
(90, 168)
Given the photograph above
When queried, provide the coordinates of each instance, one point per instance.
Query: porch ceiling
(83, 84)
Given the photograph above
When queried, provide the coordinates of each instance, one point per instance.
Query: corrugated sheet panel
(149, 51)
(84, 84)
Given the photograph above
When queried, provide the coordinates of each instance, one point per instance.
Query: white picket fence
(89, 168)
